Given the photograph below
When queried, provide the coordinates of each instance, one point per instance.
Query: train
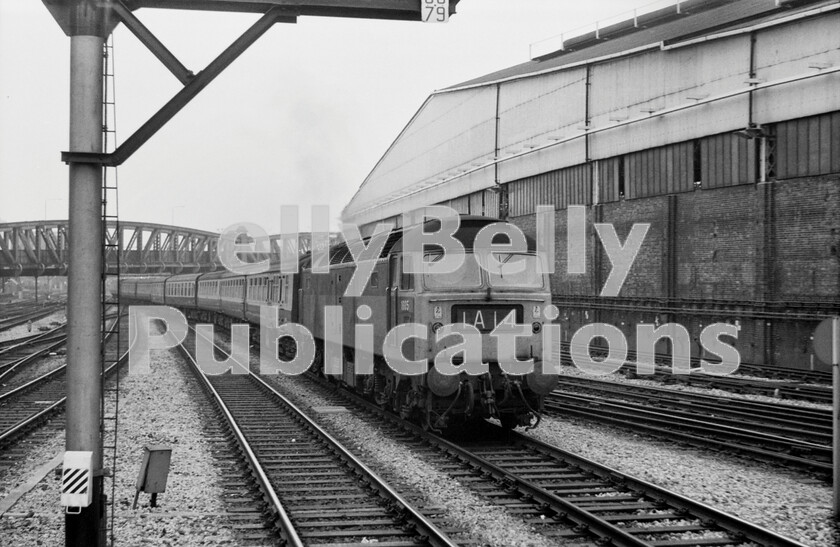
(472, 294)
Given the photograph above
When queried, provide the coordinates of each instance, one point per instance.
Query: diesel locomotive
(482, 293)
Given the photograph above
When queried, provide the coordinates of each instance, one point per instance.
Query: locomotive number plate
(486, 317)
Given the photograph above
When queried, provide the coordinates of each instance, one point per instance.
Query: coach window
(284, 295)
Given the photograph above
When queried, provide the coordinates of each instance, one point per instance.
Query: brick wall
(647, 276)
(806, 220)
(715, 246)
(725, 238)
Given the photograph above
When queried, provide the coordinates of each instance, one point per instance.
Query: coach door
(393, 290)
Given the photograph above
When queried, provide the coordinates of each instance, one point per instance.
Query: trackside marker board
(76, 480)
(822, 341)
(434, 11)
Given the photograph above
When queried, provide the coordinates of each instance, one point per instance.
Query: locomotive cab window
(467, 276)
(515, 270)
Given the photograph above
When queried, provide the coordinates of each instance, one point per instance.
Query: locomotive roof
(340, 254)
(469, 227)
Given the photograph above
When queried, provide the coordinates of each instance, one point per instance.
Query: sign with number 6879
(434, 11)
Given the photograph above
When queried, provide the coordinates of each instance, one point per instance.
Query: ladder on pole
(112, 253)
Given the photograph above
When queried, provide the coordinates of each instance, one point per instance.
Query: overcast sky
(300, 118)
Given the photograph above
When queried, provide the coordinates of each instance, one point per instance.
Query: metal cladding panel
(607, 171)
(477, 203)
(534, 109)
(449, 133)
(809, 146)
(793, 50)
(491, 204)
(728, 114)
(727, 160)
(723, 16)
(540, 161)
(466, 184)
(658, 171)
(629, 88)
(461, 204)
(560, 188)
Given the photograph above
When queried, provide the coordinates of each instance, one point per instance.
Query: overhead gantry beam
(153, 44)
(193, 86)
(274, 11)
(404, 10)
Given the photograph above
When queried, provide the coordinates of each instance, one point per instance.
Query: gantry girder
(40, 248)
(99, 17)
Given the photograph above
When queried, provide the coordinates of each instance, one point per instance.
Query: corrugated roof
(698, 18)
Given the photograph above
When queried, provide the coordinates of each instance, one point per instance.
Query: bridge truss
(40, 248)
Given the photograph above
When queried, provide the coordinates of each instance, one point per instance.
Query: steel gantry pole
(88, 23)
(85, 264)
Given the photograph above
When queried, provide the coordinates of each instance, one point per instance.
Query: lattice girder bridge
(40, 248)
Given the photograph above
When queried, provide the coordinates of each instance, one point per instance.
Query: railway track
(754, 386)
(552, 487)
(795, 436)
(13, 308)
(25, 406)
(767, 380)
(22, 340)
(802, 376)
(17, 319)
(317, 492)
(15, 357)
(562, 495)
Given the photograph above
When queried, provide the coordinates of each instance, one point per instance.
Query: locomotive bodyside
(472, 296)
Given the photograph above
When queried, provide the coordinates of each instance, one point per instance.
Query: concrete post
(84, 362)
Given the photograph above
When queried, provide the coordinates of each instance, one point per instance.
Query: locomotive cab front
(499, 297)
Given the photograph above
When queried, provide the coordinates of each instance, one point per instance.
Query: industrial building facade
(716, 122)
